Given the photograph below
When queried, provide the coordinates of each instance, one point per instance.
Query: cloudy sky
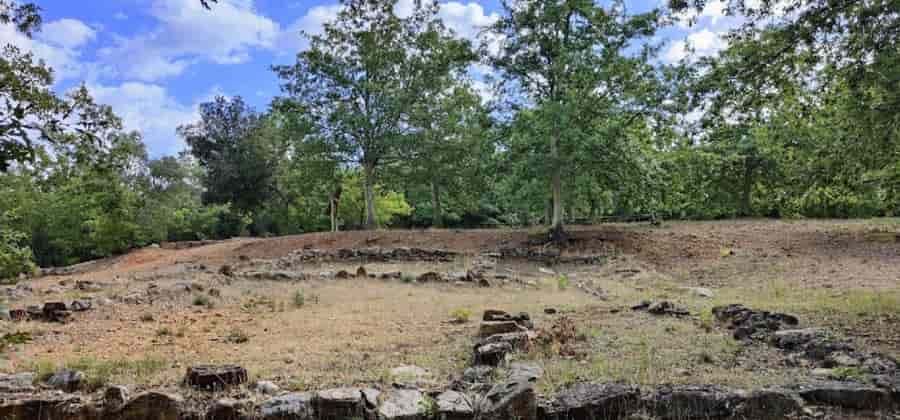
(153, 61)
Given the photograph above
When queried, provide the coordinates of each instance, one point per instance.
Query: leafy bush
(460, 315)
(15, 255)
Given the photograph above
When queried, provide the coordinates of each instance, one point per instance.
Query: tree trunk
(747, 187)
(557, 232)
(369, 174)
(437, 219)
(334, 227)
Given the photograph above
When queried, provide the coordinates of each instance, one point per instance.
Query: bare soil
(844, 275)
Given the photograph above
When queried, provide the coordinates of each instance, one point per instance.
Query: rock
(408, 374)
(226, 270)
(519, 341)
(595, 401)
(361, 272)
(666, 308)
(841, 359)
(692, 402)
(150, 405)
(391, 275)
(643, 305)
(478, 374)
(18, 315)
(846, 395)
(522, 371)
(114, 397)
(17, 382)
(550, 311)
(405, 404)
(294, 406)
(267, 388)
(46, 407)
(701, 292)
(4, 314)
(67, 380)
(747, 322)
(81, 305)
(513, 399)
(880, 364)
(795, 339)
(88, 286)
(489, 328)
(457, 276)
(492, 354)
(230, 409)
(340, 403)
(767, 404)
(215, 378)
(452, 405)
(429, 277)
(342, 274)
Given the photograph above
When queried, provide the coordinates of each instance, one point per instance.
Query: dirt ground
(160, 310)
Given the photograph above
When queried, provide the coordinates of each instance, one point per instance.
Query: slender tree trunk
(334, 227)
(557, 232)
(437, 218)
(747, 187)
(369, 174)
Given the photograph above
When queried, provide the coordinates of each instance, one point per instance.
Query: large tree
(361, 77)
(577, 64)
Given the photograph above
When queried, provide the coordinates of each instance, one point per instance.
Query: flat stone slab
(404, 404)
(847, 395)
(298, 406)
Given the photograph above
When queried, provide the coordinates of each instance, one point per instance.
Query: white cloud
(120, 16)
(151, 110)
(714, 10)
(188, 33)
(57, 44)
(467, 20)
(704, 43)
(293, 39)
(67, 33)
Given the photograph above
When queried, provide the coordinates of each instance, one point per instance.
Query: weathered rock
(587, 401)
(18, 315)
(429, 277)
(846, 395)
(230, 409)
(692, 402)
(45, 407)
(17, 382)
(80, 305)
(406, 404)
(294, 406)
(841, 359)
(226, 270)
(666, 308)
(452, 405)
(391, 275)
(150, 405)
(408, 374)
(215, 378)
(340, 403)
(88, 286)
(277, 275)
(747, 323)
(765, 404)
(342, 274)
(513, 399)
(67, 380)
(492, 354)
(519, 341)
(489, 328)
(267, 388)
(114, 397)
(796, 339)
(478, 374)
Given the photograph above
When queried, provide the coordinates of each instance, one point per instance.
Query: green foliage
(299, 298)
(15, 255)
(461, 315)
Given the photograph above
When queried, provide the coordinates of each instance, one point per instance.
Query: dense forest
(381, 124)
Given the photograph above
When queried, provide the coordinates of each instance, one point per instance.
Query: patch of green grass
(408, 278)
(299, 298)
(562, 282)
(848, 373)
(100, 373)
(237, 336)
(461, 315)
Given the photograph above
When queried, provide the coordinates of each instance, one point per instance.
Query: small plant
(460, 315)
(202, 300)
(848, 373)
(147, 317)
(164, 332)
(429, 406)
(562, 282)
(237, 336)
(19, 337)
(299, 298)
(408, 278)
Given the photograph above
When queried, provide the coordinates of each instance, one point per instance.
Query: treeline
(383, 122)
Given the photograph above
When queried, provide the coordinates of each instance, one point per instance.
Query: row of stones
(541, 254)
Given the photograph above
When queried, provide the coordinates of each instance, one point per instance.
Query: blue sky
(153, 61)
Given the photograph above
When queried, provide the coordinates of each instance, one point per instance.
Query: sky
(154, 61)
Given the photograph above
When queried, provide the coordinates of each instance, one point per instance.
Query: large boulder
(692, 402)
(513, 398)
(229, 409)
(453, 405)
(846, 395)
(294, 406)
(67, 380)
(340, 403)
(767, 404)
(149, 406)
(406, 404)
(491, 354)
(215, 378)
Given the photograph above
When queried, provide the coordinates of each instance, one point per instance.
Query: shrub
(562, 282)
(299, 298)
(15, 255)
(460, 315)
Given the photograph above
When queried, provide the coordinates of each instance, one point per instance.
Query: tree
(359, 79)
(569, 58)
(239, 159)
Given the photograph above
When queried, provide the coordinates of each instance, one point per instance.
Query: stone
(340, 403)
(409, 374)
(692, 402)
(405, 404)
(88, 286)
(4, 314)
(795, 339)
(666, 308)
(67, 380)
(846, 395)
(226, 270)
(747, 322)
(54, 306)
(512, 399)
(453, 405)
(519, 341)
(46, 407)
(767, 404)
(361, 272)
(489, 328)
(150, 405)
(294, 406)
(18, 315)
(550, 311)
(841, 359)
(342, 274)
(701, 292)
(114, 397)
(478, 374)
(391, 275)
(492, 354)
(523, 371)
(17, 382)
(215, 378)
(585, 401)
(81, 305)
(230, 409)
(267, 387)
(429, 277)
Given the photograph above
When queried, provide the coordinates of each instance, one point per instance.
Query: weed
(99, 373)
(18, 337)
(562, 282)
(848, 373)
(299, 298)
(164, 332)
(429, 406)
(202, 300)
(408, 278)
(181, 332)
(460, 315)
(237, 336)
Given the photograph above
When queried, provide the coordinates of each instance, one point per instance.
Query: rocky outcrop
(215, 378)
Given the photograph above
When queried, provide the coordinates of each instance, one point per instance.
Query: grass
(100, 373)
(461, 315)
(203, 300)
(562, 282)
(299, 298)
(237, 336)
